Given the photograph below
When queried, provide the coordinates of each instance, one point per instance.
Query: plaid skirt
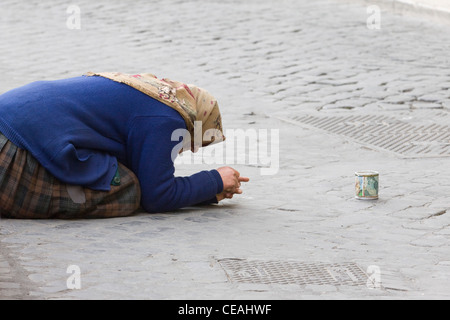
(29, 191)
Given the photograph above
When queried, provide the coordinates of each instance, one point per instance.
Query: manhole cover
(291, 272)
(401, 136)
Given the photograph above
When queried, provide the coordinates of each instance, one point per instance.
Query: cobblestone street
(270, 64)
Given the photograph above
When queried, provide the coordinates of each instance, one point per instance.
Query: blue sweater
(79, 128)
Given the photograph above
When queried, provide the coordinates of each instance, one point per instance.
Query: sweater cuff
(207, 202)
(218, 179)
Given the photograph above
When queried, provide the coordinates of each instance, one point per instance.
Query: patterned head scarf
(194, 104)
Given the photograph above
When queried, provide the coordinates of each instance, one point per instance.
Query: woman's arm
(149, 152)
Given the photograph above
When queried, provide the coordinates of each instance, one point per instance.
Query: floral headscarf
(193, 103)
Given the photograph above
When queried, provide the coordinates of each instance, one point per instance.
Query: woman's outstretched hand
(231, 179)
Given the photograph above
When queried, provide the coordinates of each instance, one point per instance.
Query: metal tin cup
(366, 185)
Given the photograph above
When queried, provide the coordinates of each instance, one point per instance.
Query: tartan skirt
(29, 191)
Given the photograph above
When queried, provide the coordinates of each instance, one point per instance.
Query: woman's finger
(243, 179)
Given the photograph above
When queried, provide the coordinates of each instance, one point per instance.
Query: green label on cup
(366, 185)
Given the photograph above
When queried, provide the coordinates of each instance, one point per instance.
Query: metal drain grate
(291, 272)
(410, 140)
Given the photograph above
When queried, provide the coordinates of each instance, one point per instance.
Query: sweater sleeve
(149, 152)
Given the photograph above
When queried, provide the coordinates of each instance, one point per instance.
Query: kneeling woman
(101, 145)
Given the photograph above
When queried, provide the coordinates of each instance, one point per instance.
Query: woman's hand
(231, 179)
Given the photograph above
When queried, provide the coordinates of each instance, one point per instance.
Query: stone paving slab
(174, 256)
(264, 60)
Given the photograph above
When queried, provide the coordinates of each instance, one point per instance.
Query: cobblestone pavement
(269, 63)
